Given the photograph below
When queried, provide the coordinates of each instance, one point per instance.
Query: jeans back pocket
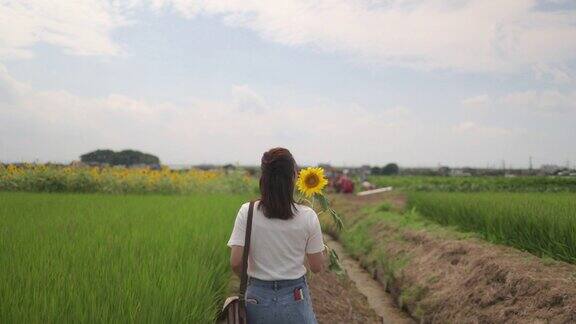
(258, 296)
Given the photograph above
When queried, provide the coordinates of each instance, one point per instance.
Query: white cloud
(557, 75)
(80, 27)
(247, 99)
(396, 112)
(472, 35)
(547, 102)
(58, 125)
(472, 128)
(477, 101)
(543, 101)
(10, 88)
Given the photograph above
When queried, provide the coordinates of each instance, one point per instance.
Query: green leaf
(337, 220)
(334, 264)
(323, 201)
(303, 201)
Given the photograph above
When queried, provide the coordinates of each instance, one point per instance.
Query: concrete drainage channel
(381, 302)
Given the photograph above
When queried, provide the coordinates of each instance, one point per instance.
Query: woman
(284, 236)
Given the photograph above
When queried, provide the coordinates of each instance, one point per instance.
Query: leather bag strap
(244, 276)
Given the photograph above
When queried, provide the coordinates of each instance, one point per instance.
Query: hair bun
(272, 164)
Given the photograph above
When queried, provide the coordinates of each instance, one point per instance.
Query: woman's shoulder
(243, 210)
(303, 209)
(245, 206)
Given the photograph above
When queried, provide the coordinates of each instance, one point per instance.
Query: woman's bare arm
(236, 254)
(316, 261)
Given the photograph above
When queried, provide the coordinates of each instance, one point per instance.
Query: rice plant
(94, 258)
(478, 184)
(541, 223)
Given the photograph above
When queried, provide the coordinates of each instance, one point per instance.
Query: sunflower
(311, 181)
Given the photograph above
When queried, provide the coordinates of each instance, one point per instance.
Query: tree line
(125, 157)
(388, 169)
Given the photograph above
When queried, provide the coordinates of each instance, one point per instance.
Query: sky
(420, 83)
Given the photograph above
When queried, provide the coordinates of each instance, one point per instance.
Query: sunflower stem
(310, 192)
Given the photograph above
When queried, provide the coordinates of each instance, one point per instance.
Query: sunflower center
(312, 181)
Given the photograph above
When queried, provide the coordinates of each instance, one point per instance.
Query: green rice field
(541, 223)
(79, 258)
(477, 184)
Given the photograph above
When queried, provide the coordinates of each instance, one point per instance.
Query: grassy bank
(101, 258)
(370, 233)
(439, 273)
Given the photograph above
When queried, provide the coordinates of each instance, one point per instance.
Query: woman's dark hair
(277, 184)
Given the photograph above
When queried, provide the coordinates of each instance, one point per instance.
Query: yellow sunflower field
(51, 178)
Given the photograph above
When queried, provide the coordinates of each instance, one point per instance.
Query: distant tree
(131, 157)
(376, 170)
(252, 171)
(390, 169)
(126, 157)
(98, 156)
(229, 166)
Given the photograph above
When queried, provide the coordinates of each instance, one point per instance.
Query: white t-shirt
(278, 247)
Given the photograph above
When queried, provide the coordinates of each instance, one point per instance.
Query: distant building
(444, 171)
(460, 173)
(365, 171)
(205, 167)
(550, 169)
(77, 164)
(143, 165)
(329, 171)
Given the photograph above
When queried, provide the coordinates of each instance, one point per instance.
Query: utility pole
(530, 164)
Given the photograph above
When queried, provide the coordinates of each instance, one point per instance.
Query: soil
(378, 300)
(454, 280)
(337, 300)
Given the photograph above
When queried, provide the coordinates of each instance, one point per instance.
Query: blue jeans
(279, 302)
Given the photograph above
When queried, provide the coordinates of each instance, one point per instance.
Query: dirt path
(352, 298)
(381, 302)
(337, 300)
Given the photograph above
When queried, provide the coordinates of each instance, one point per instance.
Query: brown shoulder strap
(244, 276)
